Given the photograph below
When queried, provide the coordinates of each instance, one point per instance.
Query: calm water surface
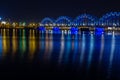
(84, 56)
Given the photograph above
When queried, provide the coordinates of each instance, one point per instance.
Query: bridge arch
(84, 20)
(110, 19)
(47, 21)
(63, 21)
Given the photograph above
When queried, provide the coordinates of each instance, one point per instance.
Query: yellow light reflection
(6, 43)
(32, 43)
(14, 42)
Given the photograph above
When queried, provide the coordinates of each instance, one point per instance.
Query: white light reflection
(91, 50)
(46, 47)
(68, 48)
(111, 55)
(101, 49)
(101, 52)
(61, 49)
(82, 49)
(75, 48)
(50, 46)
(41, 45)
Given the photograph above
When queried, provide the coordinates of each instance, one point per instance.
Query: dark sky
(38, 9)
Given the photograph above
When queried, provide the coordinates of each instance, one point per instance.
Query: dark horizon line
(37, 20)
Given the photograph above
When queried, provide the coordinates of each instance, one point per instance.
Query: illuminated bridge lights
(56, 29)
(109, 19)
(84, 20)
(99, 30)
(41, 28)
(74, 29)
(47, 21)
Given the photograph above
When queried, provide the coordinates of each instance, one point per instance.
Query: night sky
(38, 9)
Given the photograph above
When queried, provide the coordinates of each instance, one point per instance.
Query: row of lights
(82, 24)
(14, 24)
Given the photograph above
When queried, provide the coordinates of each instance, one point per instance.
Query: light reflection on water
(62, 49)
(91, 47)
(85, 51)
(82, 49)
(111, 55)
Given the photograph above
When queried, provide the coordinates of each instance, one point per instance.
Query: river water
(83, 55)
